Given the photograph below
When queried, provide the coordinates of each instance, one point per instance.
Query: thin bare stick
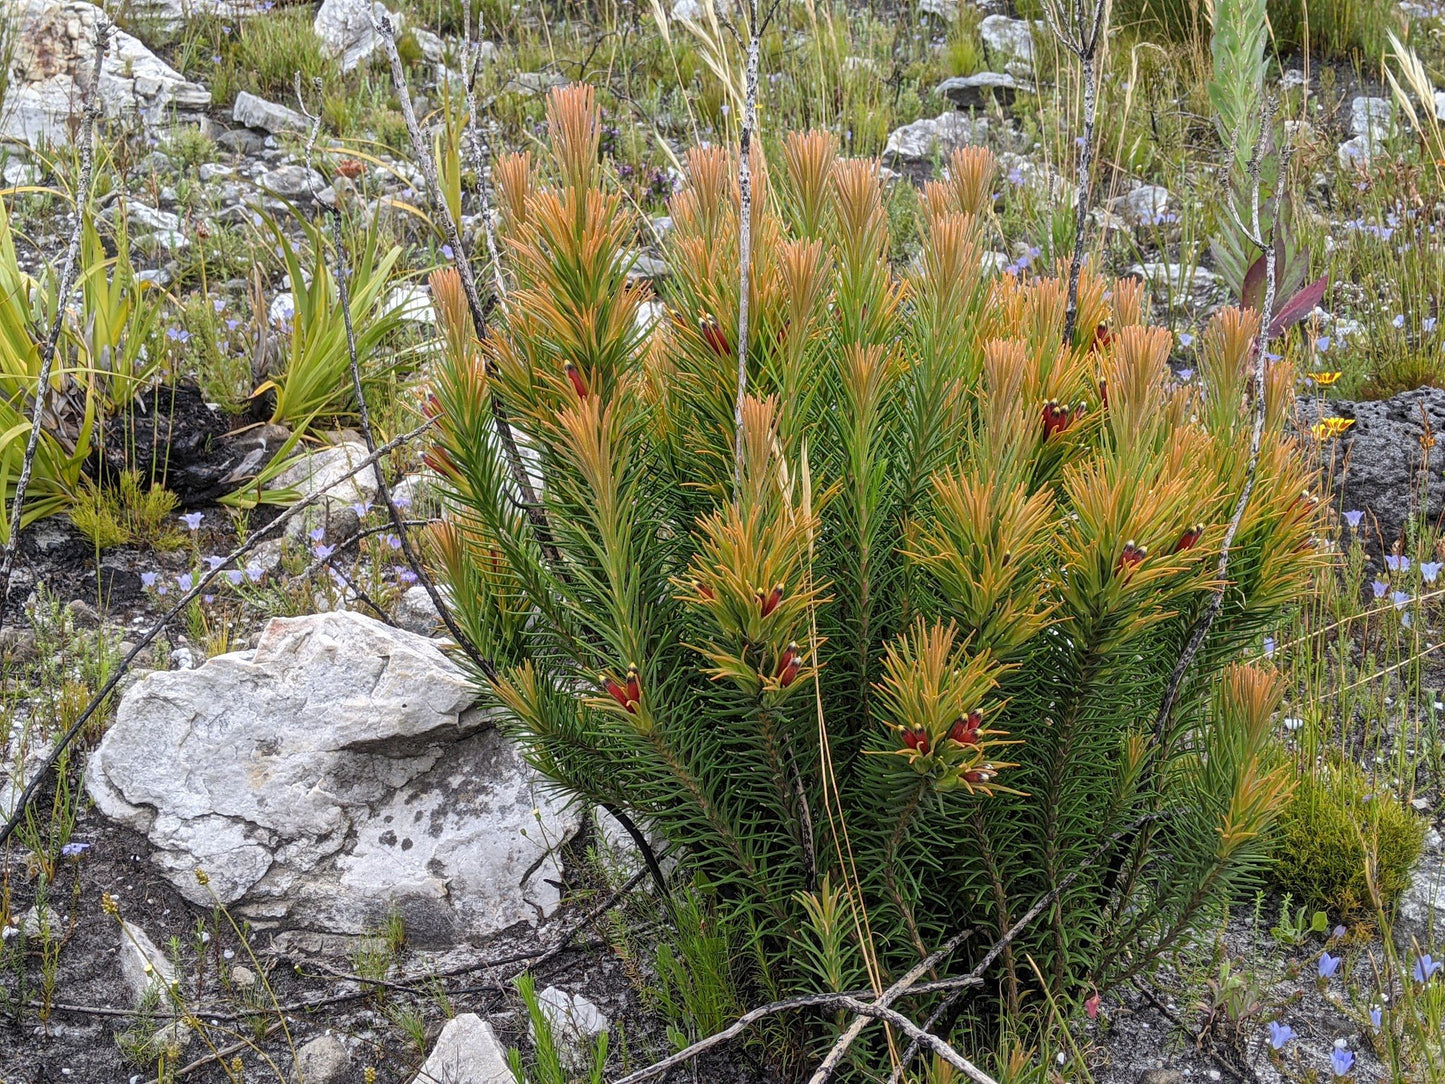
(471, 66)
(90, 113)
(385, 31)
(1081, 34)
(343, 297)
(850, 1002)
(1263, 240)
(205, 580)
(745, 233)
(888, 997)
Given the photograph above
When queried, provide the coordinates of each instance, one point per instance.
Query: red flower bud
(577, 385)
(1190, 538)
(965, 730)
(1057, 417)
(634, 689)
(769, 602)
(788, 666)
(619, 694)
(703, 590)
(981, 775)
(438, 460)
(1103, 393)
(917, 740)
(1130, 557)
(1102, 338)
(712, 332)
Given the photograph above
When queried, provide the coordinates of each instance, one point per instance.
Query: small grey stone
(256, 112)
(323, 1060)
(346, 31)
(467, 1052)
(941, 135)
(142, 964)
(1161, 1076)
(1010, 40)
(576, 1023)
(325, 470)
(17, 171)
(647, 267)
(973, 91)
(416, 613)
(1372, 117)
(1174, 277)
(295, 182)
(211, 171)
(1145, 205)
(243, 978)
(241, 141)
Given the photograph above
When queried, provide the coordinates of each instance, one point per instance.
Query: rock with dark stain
(334, 775)
(1388, 463)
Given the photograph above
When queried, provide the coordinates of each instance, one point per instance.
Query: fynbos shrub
(903, 681)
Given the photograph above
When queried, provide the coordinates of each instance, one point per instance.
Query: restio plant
(883, 663)
(1335, 827)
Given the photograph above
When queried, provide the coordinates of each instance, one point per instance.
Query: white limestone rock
(336, 773)
(54, 55)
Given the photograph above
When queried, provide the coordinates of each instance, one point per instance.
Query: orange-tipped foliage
(942, 606)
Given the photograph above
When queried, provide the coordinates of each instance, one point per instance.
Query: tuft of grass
(1335, 823)
(1333, 28)
(126, 514)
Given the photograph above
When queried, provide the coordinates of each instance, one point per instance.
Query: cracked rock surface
(334, 774)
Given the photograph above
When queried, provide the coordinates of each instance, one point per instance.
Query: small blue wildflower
(1396, 563)
(1279, 1034)
(1376, 1015)
(1341, 1061)
(235, 576)
(1429, 570)
(401, 500)
(1269, 645)
(404, 574)
(208, 598)
(1379, 588)
(74, 850)
(323, 552)
(1322, 344)
(192, 520)
(1398, 321)
(1354, 517)
(447, 251)
(1328, 965)
(184, 581)
(361, 508)
(392, 541)
(1427, 325)
(214, 562)
(254, 572)
(1425, 967)
(316, 534)
(1400, 599)
(1185, 375)
(1186, 339)
(147, 579)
